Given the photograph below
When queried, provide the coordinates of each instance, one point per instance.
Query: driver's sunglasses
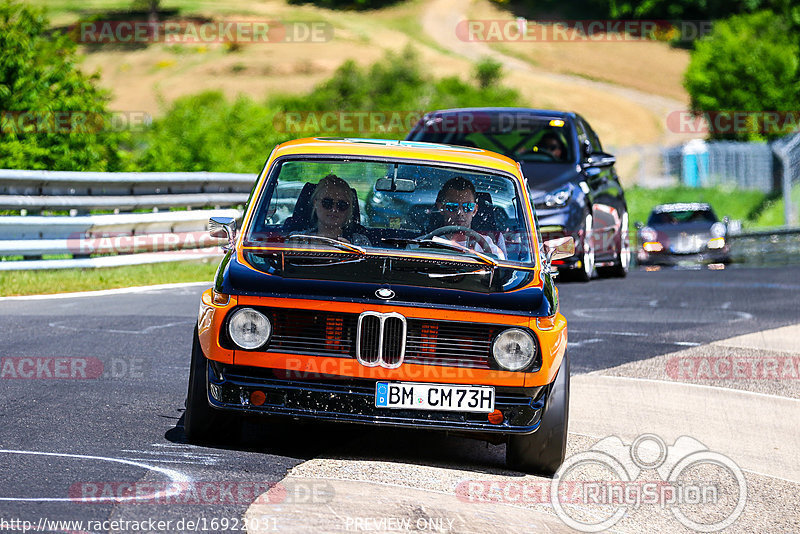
(453, 207)
(328, 203)
(552, 146)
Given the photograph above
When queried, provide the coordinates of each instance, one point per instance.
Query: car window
(591, 136)
(385, 203)
(522, 138)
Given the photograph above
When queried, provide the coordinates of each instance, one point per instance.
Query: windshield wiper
(341, 245)
(479, 272)
(447, 245)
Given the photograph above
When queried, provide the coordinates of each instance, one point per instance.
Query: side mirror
(560, 248)
(223, 228)
(600, 159)
(586, 148)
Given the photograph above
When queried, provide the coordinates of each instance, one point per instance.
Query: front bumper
(353, 401)
(668, 258)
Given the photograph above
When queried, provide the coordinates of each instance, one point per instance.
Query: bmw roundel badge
(384, 293)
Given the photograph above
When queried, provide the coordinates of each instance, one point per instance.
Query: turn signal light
(257, 398)
(220, 299)
(496, 417)
(546, 323)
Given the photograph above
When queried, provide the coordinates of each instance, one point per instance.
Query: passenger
(332, 212)
(457, 203)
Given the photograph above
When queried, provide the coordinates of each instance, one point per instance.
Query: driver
(551, 144)
(457, 203)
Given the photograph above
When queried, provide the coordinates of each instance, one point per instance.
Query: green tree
(52, 115)
(747, 63)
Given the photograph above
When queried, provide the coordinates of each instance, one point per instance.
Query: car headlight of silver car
(559, 197)
(249, 328)
(514, 349)
(648, 234)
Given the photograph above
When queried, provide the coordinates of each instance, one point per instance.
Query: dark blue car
(572, 181)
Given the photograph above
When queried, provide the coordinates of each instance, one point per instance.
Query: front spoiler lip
(420, 419)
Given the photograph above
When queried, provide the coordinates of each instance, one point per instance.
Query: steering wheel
(469, 231)
(544, 152)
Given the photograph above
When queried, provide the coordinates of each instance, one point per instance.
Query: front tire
(587, 271)
(543, 451)
(201, 422)
(623, 257)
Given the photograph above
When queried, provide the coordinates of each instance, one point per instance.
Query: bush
(488, 72)
(40, 83)
(747, 63)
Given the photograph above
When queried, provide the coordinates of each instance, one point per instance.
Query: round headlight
(249, 328)
(718, 230)
(514, 349)
(648, 234)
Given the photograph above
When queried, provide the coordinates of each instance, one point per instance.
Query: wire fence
(787, 151)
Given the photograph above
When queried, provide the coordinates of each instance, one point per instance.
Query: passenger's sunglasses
(328, 203)
(453, 207)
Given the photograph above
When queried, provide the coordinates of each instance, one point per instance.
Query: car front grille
(381, 339)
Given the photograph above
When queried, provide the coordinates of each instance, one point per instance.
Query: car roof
(394, 149)
(682, 206)
(551, 113)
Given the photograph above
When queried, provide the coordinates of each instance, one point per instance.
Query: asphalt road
(109, 428)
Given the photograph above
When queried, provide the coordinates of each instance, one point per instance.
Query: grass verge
(740, 204)
(772, 215)
(67, 280)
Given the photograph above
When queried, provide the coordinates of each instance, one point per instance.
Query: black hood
(358, 281)
(546, 177)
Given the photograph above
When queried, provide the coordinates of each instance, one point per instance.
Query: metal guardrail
(777, 246)
(132, 238)
(138, 238)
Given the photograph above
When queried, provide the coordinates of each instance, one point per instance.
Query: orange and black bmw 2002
(444, 316)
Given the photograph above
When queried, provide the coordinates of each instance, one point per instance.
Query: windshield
(363, 207)
(520, 137)
(682, 216)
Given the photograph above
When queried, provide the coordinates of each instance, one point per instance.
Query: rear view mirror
(558, 249)
(401, 185)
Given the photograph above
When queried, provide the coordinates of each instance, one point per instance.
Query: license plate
(442, 397)
(686, 245)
